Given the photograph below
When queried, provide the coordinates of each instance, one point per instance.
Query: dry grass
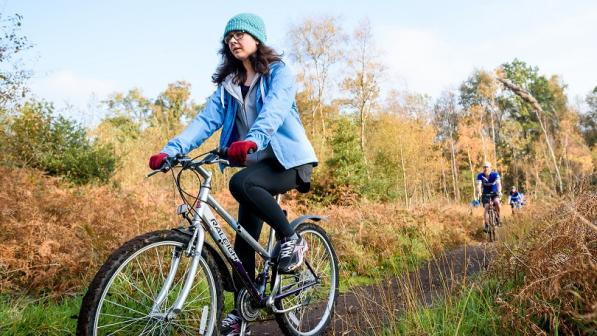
(554, 264)
(373, 237)
(542, 281)
(54, 237)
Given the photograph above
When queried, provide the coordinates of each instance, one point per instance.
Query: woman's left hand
(237, 152)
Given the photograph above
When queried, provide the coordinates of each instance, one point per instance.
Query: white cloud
(421, 61)
(72, 94)
(566, 47)
(429, 61)
(67, 86)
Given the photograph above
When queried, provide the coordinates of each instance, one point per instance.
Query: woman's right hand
(157, 160)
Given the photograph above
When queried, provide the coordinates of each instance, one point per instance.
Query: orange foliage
(54, 238)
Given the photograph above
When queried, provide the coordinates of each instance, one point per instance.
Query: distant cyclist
(489, 189)
(515, 198)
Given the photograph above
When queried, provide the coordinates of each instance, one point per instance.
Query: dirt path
(365, 309)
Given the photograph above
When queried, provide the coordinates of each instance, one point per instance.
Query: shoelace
(230, 320)
(287, 249)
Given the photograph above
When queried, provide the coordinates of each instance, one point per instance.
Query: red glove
(157, 160)
(237, 153)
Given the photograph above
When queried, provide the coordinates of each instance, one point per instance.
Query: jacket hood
(234, 89)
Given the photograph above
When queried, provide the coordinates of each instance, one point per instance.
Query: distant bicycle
(170, 282)
(516, 207)
(492, 218)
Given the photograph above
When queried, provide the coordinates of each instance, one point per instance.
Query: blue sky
(85, 50)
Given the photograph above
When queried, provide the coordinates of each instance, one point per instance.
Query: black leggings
(253, 188)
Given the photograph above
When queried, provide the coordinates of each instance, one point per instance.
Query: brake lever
(152, 173)
(168, 164)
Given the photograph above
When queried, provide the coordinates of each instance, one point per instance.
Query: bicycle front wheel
(316, 304)
(492, 224)
(121, 299)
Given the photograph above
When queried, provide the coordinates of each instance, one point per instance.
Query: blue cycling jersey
(489, 183)
(515, 196)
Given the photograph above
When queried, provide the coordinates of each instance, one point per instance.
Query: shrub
(552, 264)
(36, 138)
(344, 175)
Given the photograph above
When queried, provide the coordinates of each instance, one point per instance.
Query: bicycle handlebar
(218, 155)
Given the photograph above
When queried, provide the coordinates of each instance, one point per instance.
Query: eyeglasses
(238, 35)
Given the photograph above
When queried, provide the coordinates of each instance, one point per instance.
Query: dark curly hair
(261, 60)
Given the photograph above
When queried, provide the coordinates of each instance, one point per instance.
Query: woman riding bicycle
(254, 105)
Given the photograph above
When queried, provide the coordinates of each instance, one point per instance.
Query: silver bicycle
(171, 282)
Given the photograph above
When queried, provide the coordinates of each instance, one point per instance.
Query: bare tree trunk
(444, 184)
(454, 171)
(323, 127)
(569, 175)
(404, 177)
(470, 164)
(522, 93)
(362, 115)
(483, 143)
(539, 185)
(495, 158)
(313, 111)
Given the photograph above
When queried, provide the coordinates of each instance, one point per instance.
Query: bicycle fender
(227, 281)
(301, 219)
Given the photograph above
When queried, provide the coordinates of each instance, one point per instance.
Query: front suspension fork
(194, 250)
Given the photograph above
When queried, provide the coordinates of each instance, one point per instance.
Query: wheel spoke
(317, 301)
(121, 306)
(160, 267)
(124, 305)
(121, 322)
(125, 278)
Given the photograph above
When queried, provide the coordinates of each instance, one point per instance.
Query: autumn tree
(407, 160)
(12, 73)
(168, 109)
(409, 105)
(316, 47)
(530, 97)
(132, 105)
(362, 83)
(588, 121)
(479, 91)
(445, 120)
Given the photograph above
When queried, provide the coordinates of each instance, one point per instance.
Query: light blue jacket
(277, 122)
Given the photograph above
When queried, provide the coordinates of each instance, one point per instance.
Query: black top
(244, 89)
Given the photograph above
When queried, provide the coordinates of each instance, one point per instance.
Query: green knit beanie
(249, 23)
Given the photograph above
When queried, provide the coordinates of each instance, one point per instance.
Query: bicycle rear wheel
(317, 303)
(120, 298)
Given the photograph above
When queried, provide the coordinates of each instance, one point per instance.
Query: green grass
(411, 253)
(26, 316)
(472, 311)
(29, 316)
(346, 283)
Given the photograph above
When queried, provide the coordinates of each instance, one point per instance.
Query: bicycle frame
(204, 220)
